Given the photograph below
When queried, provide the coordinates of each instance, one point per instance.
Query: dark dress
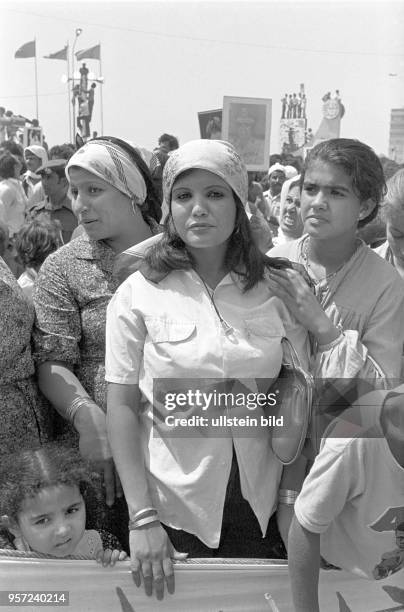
(26, 420)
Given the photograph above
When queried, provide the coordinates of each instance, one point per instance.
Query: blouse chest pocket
(263, 327)
(168, 330)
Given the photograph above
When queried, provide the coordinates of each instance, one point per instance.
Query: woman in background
(114, 200)
(25, 417)
(290, 220)
(393, 215)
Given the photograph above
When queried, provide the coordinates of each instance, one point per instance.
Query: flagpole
(68, 90)
(101, 100)
(77, 34)
(36, 82)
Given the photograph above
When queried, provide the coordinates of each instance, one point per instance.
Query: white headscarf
(39, 152)
(113, 165)
(290, 172)
(285, 192)
(276, 167)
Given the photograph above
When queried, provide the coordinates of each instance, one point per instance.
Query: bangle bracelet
(287, 497)
(144, 521)
(282, 492)
(287, 502)
(145, 511)
(77, 403)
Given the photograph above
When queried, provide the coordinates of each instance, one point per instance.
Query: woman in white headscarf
(197, 317)
(290, 218)
(114, 200)
(35, 157)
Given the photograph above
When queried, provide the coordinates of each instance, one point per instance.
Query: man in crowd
(167, 143)
(56, 204)
(35, 156)
(63, 151)
(276, 176)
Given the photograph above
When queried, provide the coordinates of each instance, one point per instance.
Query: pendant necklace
(328, 277)
(228, 329)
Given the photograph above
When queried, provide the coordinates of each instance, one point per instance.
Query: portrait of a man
(247, 125)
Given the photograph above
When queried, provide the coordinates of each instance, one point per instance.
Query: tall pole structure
(36, 83)
(68, 90)
(77, 34)
(101, 101)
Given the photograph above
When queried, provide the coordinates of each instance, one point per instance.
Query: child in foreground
(42, 507)
(351, 507)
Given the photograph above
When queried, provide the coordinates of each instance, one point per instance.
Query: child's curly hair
(37, 239)
(25, 474)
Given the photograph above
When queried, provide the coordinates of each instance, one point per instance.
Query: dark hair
(242, 255)
(171, 140)
(275, 159)
(4, 237)
(38, 239)
(7, 166)
(360, 162)
(394, 199)
(152, 205)
(24, 474)
(12, 147)
(63, 151)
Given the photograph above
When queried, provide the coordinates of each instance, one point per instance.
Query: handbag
(294, 392)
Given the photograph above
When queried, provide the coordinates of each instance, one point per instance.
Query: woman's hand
(90, 423)
(290, 286)
(110, 557)
(151, 555)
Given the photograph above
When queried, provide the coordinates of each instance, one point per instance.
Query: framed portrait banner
(210, 124)
(247, 125)
(33, 136)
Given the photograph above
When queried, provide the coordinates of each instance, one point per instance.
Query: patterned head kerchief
(113, 165)
(216, 156)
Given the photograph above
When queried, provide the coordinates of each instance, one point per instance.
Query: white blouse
(171, 330)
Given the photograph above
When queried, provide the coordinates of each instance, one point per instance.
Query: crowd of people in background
(118, 267)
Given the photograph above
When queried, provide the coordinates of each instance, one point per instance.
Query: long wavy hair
(242, 255)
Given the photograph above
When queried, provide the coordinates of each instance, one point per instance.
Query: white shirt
(13, 204)
(354, 495)
(171, 330)
(27, 281)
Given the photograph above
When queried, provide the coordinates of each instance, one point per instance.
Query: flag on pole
(27, 50)
(91, 53)
(60, 55)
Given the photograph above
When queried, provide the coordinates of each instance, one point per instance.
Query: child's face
(329, 205)
(53, 522)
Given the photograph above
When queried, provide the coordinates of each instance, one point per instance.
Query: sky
(163, 62)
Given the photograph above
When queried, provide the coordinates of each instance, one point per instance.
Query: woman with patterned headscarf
(197, 320)
(114, 201)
